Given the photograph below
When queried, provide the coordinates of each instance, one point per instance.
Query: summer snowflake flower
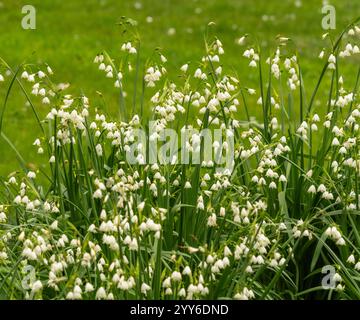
(184, 67)
(31, 175)
(36, 286)
(351, 259)
(187, 185)
(152, 75)
(145, 288)
(101, 294)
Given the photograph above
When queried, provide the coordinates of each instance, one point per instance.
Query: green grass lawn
(70, 33)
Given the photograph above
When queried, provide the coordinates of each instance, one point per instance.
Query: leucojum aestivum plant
(119, 212)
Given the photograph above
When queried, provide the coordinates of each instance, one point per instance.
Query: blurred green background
(70, 33)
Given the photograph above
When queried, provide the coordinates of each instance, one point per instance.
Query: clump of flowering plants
(105, 222)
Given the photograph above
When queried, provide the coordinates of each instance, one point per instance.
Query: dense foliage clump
(94, 225)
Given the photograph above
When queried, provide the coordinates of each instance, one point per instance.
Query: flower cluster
(104, 228)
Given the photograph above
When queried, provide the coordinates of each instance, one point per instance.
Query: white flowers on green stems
(31, 175)
(333, 233)
(153, 74)
(128, 48)
(245, 219)
(332, 62)
(184, 68)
